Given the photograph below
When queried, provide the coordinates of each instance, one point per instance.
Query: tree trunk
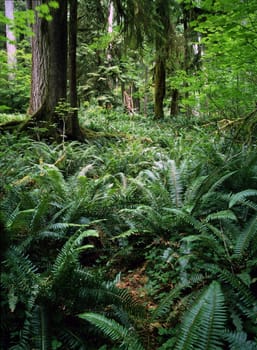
(162, 51)
(134, 93)
(10, 42)
(160, 87)
(174, 108)
(145, 91)
(73, 129)
(49, 68)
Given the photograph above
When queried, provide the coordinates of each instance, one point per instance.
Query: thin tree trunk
(10, 42)
(73, 128)
(145, 90)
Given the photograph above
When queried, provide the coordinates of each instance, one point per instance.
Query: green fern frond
(164, 306)
(240, 197)
(221, 236)
(203, 324)
(175, 186)
(209, 186)
(222, 215)
(114, 330)
(220, 181)
(52, 177)
(70, 251)
(39, 215)
(12, 217)
(245, 238)
(39, 328)
(238, 341)
(20, 271)
(71, 339)
(241, 290)
(193, 189)
(188, 218)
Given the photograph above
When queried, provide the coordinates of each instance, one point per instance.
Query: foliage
(14, 94)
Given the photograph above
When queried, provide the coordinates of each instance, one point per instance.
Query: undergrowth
(176, 202)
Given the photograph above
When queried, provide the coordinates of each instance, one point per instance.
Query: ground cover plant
(143, 241)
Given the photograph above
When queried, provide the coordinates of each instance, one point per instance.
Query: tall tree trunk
(159, 86)
(10, 42)
(73, 128)
(49, 67)
(162, 51)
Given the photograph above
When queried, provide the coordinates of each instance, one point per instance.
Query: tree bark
(160, 87)
(49, 67)
(73, 128)
(174, 108)
(10, 42)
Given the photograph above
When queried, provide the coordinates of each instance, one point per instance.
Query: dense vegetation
(170, 216)
(143, 235)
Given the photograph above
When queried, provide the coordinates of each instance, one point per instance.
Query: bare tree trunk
(10, 43)
(73, 128)
(136, 99)
(49, 67)
(145, 90)
(160, 87)
(174, 108)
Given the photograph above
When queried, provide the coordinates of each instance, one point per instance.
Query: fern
(240, 197)
(222, 215)
(238, 341)
(39, 328)
(189, 219)
(114, 331)
(70, 251)
(245, 238)
(203, 324)
(247, 300)
(210, 186)
(164, 306)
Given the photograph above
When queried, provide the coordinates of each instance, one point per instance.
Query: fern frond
(245, 238)
(12, 216)
(21, 272)
(164, 306)
(241, 290)
(222, 215)
(113, 330)
(238, 341)
(209, 186)
(69, 253)
(188, 218)
(174, 183)
(203, 324)
(222, 236)
(39, 328)
(240, 197)
(193, 189)
(71, 339)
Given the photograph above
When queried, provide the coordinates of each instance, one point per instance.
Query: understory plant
(74, 215)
